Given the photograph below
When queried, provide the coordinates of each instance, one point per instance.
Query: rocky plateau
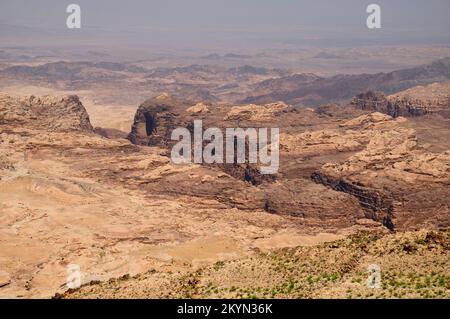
(118, 207)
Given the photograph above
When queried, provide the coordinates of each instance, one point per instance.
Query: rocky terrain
(119, 208)
(70, 196)
(413, 265)
(131, 82)
(100, 197)
(376, 158)
(392, 175)
(325, 61)
(417, 101)
(47, 113)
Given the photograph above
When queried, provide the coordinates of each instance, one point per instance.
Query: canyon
(121, 209)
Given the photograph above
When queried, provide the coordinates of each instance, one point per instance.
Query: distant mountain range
(307, 89)
(70, 70)
(240, 84)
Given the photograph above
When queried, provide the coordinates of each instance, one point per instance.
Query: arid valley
(86, 176)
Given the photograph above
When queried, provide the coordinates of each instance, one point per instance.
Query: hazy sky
(226, 22)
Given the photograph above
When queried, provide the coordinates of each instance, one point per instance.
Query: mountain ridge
(343, 87)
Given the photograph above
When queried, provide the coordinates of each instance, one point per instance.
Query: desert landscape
(359, 183)
(87, 178)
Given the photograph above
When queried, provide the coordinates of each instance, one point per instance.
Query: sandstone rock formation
(154, 121)
(71, 196)
(333, 153)
(399, 182)
(47, 112)
(433, 98)
(417, 101)
(256, 113)
(198, 108)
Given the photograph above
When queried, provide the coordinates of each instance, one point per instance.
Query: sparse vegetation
(333, 270)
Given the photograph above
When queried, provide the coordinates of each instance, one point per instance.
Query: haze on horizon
(208, 25)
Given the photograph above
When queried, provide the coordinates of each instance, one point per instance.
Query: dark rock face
(247, 172)
(338, 165)
(156, 118)
(397, 178)
(395, 107)
(371, 101)
(242, 185)
(398, 206)
(377, 206)
(377, 102)
(154, 121)
(316, 204)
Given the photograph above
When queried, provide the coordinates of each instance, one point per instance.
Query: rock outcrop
(376, 159)
(47, 112)
(391, 176)
(417, 101)
(256, 113)
(429, 99)
(198, 108)
(155, 119)
(245, 187)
